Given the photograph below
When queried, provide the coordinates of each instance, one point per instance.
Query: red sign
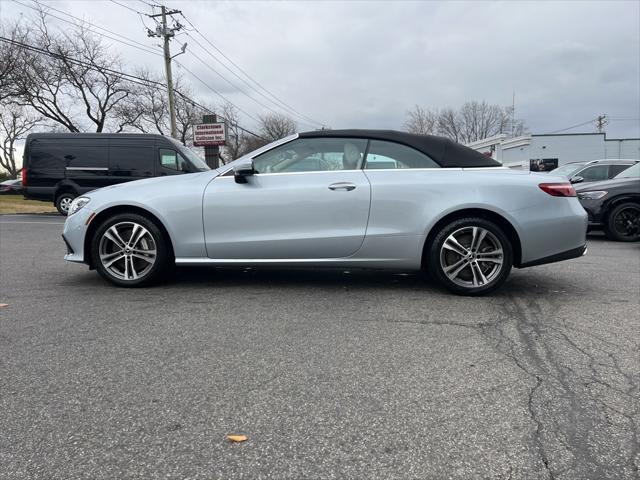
(209, 134)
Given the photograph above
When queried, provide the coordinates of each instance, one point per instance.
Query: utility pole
(513, 113)
(167, 33)
(601, 121)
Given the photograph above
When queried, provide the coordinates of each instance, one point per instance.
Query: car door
(307, 199)
(85, 162)
(408, 190)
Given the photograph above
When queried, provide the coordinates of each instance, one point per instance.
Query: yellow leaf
(237, 438)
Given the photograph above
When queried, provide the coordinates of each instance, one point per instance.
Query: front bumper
(594, 212)
(75, 229)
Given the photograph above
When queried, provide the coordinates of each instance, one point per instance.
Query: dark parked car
(61, 166)
(593, 171)
(11, 187)
(614, 205)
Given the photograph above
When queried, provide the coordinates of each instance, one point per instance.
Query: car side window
(595, 173)
(389, 155)
(131, 161)
(616, 169)
(312, 155)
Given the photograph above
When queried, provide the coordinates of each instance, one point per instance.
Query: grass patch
(17, 204)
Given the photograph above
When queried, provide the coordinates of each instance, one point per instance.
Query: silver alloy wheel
(127, 251)
(65, 203)
(471, 257)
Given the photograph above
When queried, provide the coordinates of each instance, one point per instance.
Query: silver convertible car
(341, 198)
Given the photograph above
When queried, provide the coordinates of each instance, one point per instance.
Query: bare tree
(239, 141)
(188, 114)
(274, 126)
(147, 109)
(10, 55)
(72, 81)
(15, 124)
(473, 121)
(421, 121)
(449, 124)
(235, 135)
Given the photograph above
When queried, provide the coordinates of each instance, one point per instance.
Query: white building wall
(564, 147)
(623, 148)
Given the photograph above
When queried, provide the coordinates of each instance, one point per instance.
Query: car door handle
(342, 186)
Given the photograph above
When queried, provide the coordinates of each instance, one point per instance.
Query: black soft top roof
(444, 151)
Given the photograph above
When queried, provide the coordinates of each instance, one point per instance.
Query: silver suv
(593, 171)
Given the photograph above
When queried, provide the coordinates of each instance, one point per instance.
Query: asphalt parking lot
(329, 374)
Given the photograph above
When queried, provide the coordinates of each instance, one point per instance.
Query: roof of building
(444, 151)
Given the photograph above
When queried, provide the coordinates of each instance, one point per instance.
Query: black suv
(60, 166)
(614, 205)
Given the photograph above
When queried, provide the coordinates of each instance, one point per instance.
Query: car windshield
(195, 160)
(567, 170)
(631, 172)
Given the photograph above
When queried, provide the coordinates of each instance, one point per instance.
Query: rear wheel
(623, 223)
(129, 250)
(63, 202)
(470, 256)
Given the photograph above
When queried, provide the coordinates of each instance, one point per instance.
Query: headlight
(77, 204)
(595, 195)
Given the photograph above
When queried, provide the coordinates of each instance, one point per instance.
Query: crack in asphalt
(564, 429)
(564, 408)
(570, 415)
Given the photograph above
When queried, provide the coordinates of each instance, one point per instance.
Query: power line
(288, 107)
(574, 126)
(129, 77)
(134, 43)
(142, 47)
(289, 111)
(127, 7)
(231, 83)
(149, 4)
(216, 91)
(277, 102)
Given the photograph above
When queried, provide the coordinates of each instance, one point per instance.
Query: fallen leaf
(237, 438)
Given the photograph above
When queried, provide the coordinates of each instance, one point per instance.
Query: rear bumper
(558, 257)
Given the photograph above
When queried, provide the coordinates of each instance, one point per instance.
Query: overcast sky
(365, 63)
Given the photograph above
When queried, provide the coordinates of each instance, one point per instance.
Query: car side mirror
(577, 179)
(242, 171)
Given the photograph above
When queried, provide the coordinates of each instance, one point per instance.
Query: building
(546, 152)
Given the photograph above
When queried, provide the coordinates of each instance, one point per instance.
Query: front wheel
(129, 250)
(470, 256)
(63, 202)
(623, 223)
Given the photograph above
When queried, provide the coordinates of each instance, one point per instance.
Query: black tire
(623, 223)
(469, 267)
(63, 201)
(131, 270)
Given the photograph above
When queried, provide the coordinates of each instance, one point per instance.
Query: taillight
(24, 177)
(564, 189)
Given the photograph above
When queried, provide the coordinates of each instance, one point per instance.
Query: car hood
(168, 181)
(604, 184)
